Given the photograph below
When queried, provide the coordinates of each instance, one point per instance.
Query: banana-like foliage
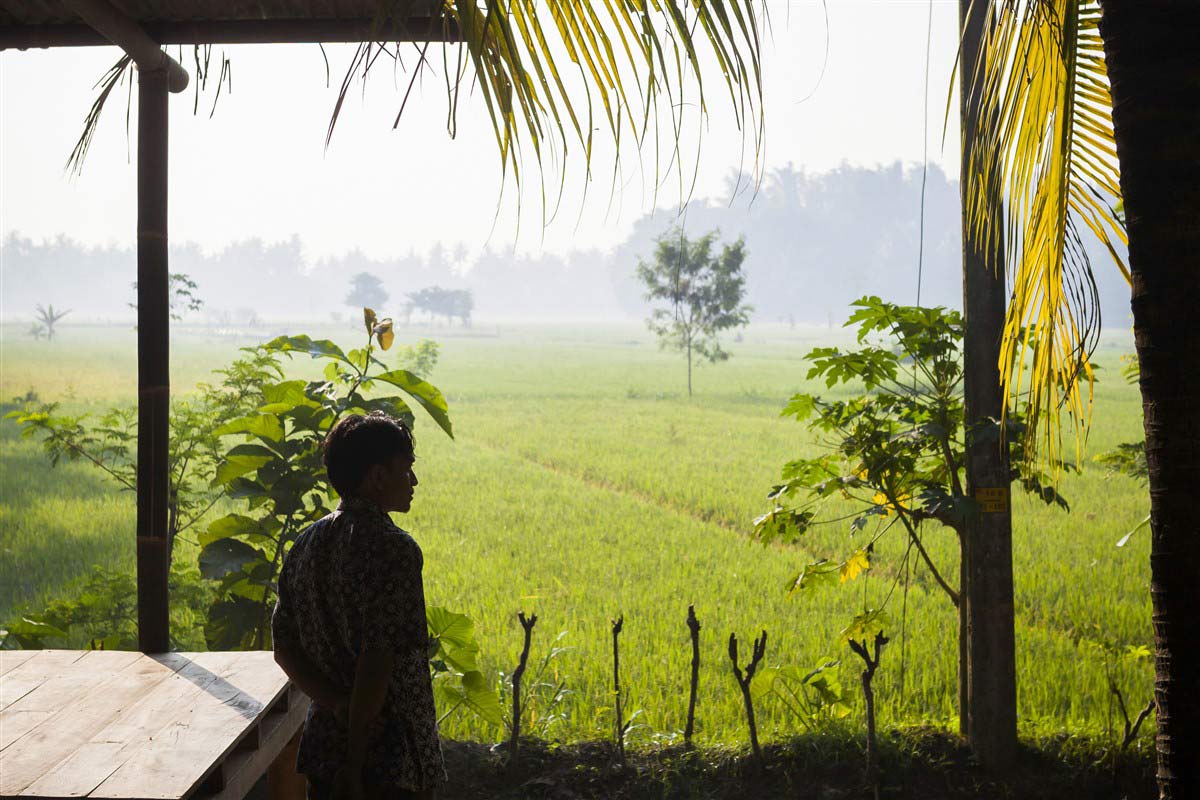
(1046, 147)
(551, 73)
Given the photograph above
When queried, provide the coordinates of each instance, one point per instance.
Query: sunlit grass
(583, 484)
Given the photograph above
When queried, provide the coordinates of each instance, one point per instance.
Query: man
(349, 626)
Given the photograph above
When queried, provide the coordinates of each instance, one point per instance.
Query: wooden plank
(94, 739)
(15, 724)
(35, 671)
(276, 731)
(74, 682)
(65, 690)
(14, 658)
(180, 757)
(79, 710)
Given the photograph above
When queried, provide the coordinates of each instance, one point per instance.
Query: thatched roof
(52, 23)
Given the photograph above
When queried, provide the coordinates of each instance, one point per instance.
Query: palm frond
(547, 70)
(1047, 149)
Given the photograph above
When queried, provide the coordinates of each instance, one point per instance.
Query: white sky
(259, 167)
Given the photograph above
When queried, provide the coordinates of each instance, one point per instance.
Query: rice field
(584, 484)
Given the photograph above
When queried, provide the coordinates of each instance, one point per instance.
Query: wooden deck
(127, 725)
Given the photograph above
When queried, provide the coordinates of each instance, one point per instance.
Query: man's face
(393, 484)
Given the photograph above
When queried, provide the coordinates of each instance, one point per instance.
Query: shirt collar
(362, 505)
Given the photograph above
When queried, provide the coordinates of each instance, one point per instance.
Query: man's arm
(394, 620)
(290, 656)
(305, 674)
(372, 675)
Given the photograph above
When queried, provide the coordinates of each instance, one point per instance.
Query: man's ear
(370, 478)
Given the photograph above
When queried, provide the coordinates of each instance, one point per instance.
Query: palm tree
(1094, 102)
(47, 318)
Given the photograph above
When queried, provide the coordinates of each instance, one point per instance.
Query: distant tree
(449, 303)
(419, 358)
(181, 295)
(461, 303)
(37, 330)
(704, 292)
(366, 291)
(47, 317)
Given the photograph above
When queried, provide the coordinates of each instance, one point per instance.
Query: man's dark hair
(357, 442)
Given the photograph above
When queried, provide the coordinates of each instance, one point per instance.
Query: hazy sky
(259, 166)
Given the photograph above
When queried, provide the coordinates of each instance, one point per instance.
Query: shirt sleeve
(285, 632)
(393, 597)
(395, 618)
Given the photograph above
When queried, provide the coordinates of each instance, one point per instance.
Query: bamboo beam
(154, 381)
(126, 34)
(277, 31)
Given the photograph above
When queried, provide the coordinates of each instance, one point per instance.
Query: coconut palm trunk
(1154, 69)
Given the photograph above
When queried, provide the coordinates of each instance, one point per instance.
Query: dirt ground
(920, 763)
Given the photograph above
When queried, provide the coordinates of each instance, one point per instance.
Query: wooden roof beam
(237, 31)
(129, 36)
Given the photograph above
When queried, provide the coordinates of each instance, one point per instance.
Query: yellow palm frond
(1047, 128)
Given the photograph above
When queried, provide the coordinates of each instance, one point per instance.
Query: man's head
(372, 457)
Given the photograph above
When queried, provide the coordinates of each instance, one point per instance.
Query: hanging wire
(924, 154)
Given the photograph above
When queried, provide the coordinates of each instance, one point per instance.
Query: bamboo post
(154, 382)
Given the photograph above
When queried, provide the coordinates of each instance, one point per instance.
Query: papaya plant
(893, 451)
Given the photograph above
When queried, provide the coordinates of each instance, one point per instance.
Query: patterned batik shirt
(352, 581)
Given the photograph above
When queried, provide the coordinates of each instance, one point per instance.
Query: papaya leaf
(822, 572)
(866, 625)
(855, 565)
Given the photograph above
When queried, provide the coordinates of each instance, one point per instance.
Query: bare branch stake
(693, 626)
(760, 649)
(518, 673)
(868, 674)
(619, 728)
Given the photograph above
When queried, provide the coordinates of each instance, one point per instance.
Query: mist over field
(815, 242)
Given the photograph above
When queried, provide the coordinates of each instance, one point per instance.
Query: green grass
(583, 484)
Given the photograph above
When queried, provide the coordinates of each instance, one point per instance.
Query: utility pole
(986, 574)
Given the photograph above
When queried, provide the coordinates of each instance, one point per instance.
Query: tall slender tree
(703, 291)
(1154, 65)
(1098, 101)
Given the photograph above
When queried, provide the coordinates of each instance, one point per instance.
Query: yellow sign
(992, 500)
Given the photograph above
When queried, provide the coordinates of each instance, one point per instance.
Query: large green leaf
(425, 393)
(266, 426)
(241, 460)
(232, 623)
(285, 396)
(449, 628)
(317, 348)
(471, 692)
(223, 556)
(232, 525)
(32, 627)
